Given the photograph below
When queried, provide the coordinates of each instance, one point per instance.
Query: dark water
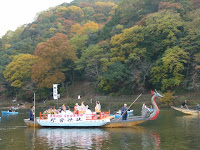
(171, 131)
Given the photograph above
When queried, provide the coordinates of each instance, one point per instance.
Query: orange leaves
(75, 28)
(74, 9)
(55, 49)
(71, 12)
(53, 53)
(167, 5)
(90, 27)
(45, 74)
(102, 6)
(75, 13)
(61, 10)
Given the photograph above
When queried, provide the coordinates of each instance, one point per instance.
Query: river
(172, 130)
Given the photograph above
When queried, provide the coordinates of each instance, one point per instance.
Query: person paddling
(124, 112)
(184, 104)
(32, 113)
(198, 107)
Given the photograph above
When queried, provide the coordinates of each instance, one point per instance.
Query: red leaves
(53, 53)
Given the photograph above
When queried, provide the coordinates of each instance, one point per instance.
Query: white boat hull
(89, 123)
(71, 121)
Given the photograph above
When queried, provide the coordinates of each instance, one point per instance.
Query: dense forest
(120, 46)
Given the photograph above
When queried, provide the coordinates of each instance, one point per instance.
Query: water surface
(171, 131)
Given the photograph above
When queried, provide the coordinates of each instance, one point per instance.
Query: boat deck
(130, 122)
(187, 111)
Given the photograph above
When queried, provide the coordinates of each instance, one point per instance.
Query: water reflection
(152, 141)
(118, 138)
(188, 120)
(170, 131)
(68, 138)
(138, 137)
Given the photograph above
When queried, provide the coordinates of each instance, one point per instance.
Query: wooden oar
(34, 111)
(129, 106)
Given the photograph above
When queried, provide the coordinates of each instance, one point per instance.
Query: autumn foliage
(53, 53)
(120, 46)
(18, 72)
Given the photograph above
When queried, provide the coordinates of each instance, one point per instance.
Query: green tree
(113, 79)
(162, 31)
(168, 98)
(168, 72)
(91, 61)
(88, 13)
(124, 45)
(18, 72)
(190, 43)
(79, 44)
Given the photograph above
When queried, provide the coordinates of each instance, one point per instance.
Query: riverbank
(114, 102)
(107, 102)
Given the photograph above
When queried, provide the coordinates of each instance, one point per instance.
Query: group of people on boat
(11, 109)
(86, 109)
(78, 109)
(65, 110)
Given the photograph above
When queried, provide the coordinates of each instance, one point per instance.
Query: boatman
(184, 104)
(198, 107)
(124, 112)
(32, 113)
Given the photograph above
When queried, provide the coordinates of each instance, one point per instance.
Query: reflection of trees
(68, 138)
(134, 138)
(60, 138)
(152, 141)
(177, 131)
(188, 119)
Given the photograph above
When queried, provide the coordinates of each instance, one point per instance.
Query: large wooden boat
(147, 114)
(96, 120)
(187, 111)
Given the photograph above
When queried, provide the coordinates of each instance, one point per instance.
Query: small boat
(74, 120)
(9, 113)
(31, 123)
(147, 114)
(118, 114)
(15, 108)
(187, 111)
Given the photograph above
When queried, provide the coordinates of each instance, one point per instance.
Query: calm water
(171, 131)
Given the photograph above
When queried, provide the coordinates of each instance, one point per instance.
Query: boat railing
(92, 116)
(95, 116)
(43, 116)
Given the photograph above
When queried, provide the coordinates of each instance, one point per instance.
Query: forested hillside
(121, 46)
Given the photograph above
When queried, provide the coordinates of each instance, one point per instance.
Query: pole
(129, 106)
(57, 101)
(34, 110)
(34, 125)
